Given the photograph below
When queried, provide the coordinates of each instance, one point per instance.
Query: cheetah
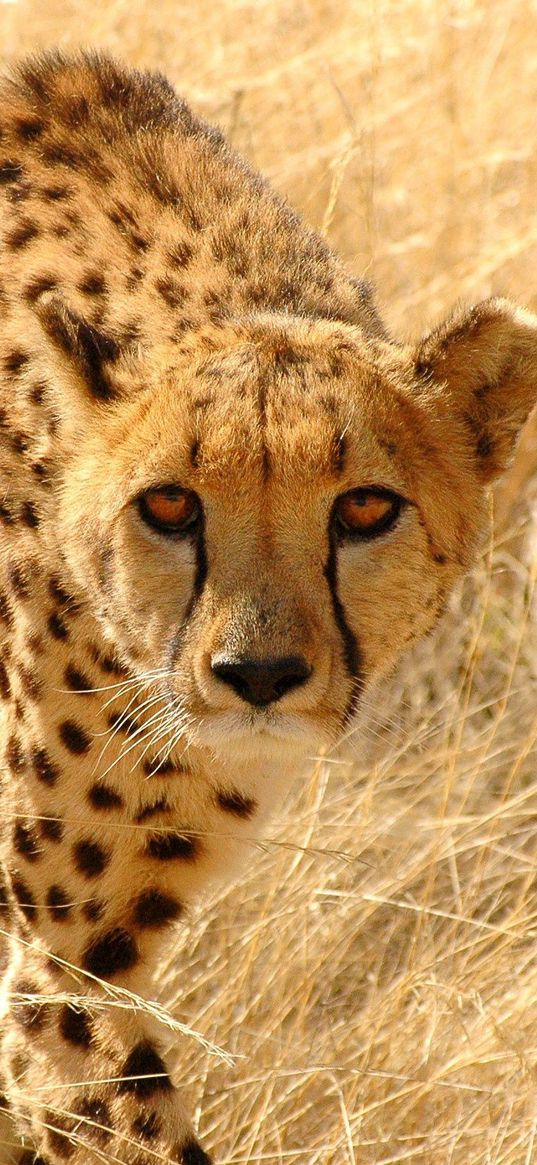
(230, 501)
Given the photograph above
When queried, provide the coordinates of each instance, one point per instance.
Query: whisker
(113, 732)
(130, 745)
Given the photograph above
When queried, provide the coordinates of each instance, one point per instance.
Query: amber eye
(169, 508)
(364, 513)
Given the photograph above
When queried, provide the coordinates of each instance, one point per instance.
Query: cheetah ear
(83, 350)
(487, 360)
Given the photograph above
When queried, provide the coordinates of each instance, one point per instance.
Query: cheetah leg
(83, 1074)
(100, 867)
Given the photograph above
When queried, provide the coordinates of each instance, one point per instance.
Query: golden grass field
(374, 974)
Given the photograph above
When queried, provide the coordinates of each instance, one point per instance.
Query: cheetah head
(265, 519)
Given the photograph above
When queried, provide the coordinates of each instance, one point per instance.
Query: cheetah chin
(230, 503)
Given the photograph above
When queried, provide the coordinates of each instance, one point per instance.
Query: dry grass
(375, 976)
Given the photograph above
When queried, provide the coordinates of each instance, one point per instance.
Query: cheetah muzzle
(230, 502)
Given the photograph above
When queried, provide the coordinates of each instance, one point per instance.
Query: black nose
(260, 681)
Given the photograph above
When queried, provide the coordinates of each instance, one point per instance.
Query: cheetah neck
(136, 834)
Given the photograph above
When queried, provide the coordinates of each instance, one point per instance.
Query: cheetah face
(273, 516)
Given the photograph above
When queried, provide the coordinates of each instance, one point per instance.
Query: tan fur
(165, 318)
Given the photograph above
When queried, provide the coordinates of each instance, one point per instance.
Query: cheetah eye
(366, 512)
(170, 509)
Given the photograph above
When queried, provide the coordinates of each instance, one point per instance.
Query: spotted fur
(166, 319)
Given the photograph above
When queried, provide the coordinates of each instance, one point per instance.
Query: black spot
(93, 910)
(76, 680)
(51, 828)
(113, 951)
(147, 1126)
(37, 392)
(286, 356)
(154, 909)
(87, 347)
(123, 723)
(143, 1072)
(191, 1153)
(57, 1135)
(217, 309)
(24, 897)
(20, 442)
(75, 739)
(73, 218)
(31, 684)
(440, 558)
(121, 218)
(56, 193)
(103, 797)
(59, 904)
(180, 254)
(137, 241)
(29, 515)
(75, 1026)
(10, 172)
(236, 803)
(159, 806)
(389, 446)
(5, 686)
(34, 643)
(30, 1014)
(109, 664)
(61, 154)
(57, 626)
(6, 613)
(28, 1157)
(182, 324)
(41, 470)
(6, 515)
(97, 1113)
(28, 129)
(92, 284)
(173, 294)
(14, 755)
(15, 360)
(90, 858)
(39, 285)
(156, 768)
(167, 846)
(19, 193)
(25, 842)
(19, 1064)
(18, 578)
(483, 390)
(44, 769)
(60, 595)
(484, 446)
(21, 235)
(96, 168)
(77, 110)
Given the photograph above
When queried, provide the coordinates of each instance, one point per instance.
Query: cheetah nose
(261, 681)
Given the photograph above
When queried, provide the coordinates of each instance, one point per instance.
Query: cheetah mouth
(222, 730)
